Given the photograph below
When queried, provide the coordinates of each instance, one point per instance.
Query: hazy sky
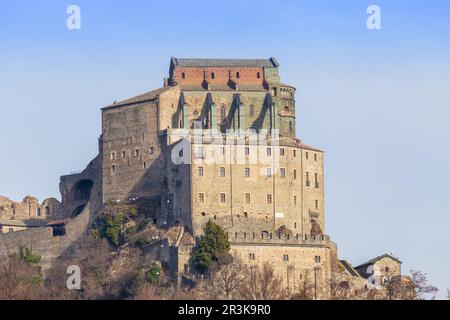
(378, 102)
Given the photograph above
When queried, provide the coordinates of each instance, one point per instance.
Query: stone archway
(81, 191)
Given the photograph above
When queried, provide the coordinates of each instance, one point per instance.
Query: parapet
(278, 239)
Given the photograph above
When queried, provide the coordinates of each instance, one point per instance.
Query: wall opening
(82, 190)
(77, 211)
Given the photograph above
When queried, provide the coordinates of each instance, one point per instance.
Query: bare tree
(415, 287)
(422, 288)
(92, 256)
(341, 289)
(228, 280)
(19, 280)
(305, 291)
(262, 284)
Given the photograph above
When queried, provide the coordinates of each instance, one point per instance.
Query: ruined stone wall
(30, 208)
(44, 242)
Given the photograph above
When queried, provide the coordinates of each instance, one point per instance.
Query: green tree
(153, 274)
(113, 227)
(213, 244)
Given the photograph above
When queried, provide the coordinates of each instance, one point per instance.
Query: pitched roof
(379, 258)
(148, 96)
(185, 62)
(349, 268)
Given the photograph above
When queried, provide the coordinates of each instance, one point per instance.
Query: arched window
(213, 76)
(237, 75)
(258, 75)
(223, 113)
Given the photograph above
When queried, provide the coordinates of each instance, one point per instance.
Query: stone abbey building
(217, 141)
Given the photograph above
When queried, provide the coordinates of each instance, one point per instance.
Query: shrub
(133, 212)
(35, 281)
(29, 256)
(141, 242)
(153, 274)
(112, 228)
(213, 244)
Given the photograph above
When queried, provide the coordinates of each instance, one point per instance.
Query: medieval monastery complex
(216, 142)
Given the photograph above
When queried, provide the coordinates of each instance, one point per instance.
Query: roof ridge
(146, 96)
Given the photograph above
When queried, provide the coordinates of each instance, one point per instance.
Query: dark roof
(23, 223)
(349, 268)
(265, 63)
(148, 96)
(378, 258)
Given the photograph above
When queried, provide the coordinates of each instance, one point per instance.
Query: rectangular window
(308, 183)
(152, 150)
(124, 154)
(201, 197)
(285, 258)
(247, 172)
(136, 153)
(317, 204)
(113, 156)
(113, 168)
(316, 180)
(269, 198)
(317, 259)
(282, 152)
(307, 156)
(247, 198)
(269, 172)
(222, 150)
(294, 152)
(295, 200)
(295, 174)
(247, 151)
(315, 157)
(199, 153)
(269, 151)
(282, 173)
(222, 171)
(222, 198)
(200, 171)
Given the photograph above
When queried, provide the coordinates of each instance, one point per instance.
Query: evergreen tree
(213, 244)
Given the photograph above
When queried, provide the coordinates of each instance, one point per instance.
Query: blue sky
(378, 102)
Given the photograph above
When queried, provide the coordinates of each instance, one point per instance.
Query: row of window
(136, 153)
(247, 174)
(252, 257)
(247, 197)
(213, 75)
(199, 152)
